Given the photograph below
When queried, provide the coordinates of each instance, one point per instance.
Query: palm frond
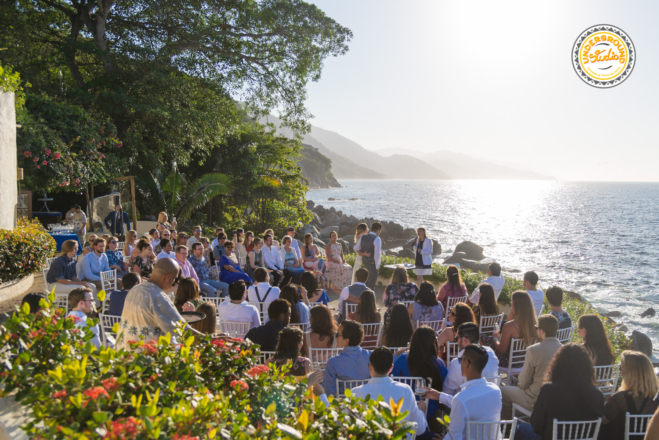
(202, 190)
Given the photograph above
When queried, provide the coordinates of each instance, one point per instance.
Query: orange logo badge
(603, 56)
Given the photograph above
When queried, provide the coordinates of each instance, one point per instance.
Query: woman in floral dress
(339, 273)
(400, 289)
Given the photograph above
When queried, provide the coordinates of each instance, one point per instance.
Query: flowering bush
(23, 251)
(200, 388)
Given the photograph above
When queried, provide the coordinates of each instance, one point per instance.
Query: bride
(362, 229)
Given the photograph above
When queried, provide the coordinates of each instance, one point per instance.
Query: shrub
(23, 251)
(198, 388)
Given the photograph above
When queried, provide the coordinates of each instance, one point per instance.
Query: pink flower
(47, 151)
(239, 385)
(35, 159)
(38, 167)
(103, 143)
(120, 144)
(101, 130)
(258, 370)
(45, 162)
(57, 156)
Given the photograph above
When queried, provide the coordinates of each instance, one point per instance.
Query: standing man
(290, 231)
(351, 294)
(78, 219)
(369, 246)
(272, 260)
(115, 222)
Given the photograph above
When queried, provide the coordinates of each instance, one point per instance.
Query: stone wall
(8, 184)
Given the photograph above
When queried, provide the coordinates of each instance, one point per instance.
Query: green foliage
(23, 250)
(199, 388)
(10, 81)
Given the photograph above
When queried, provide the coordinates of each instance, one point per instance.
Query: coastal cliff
(317, 168)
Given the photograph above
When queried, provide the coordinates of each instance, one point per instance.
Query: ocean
(599, 239)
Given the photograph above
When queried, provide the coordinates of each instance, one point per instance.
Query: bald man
(148, 311)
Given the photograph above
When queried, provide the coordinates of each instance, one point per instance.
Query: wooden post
(132, 196)
(89, 220)
(91, 212)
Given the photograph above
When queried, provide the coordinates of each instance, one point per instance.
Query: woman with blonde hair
(423, 255)
(362, 229)
(129, 244)
(400, 289)
(162, 222)
(454, 287)
(521, 324)
(636, 394)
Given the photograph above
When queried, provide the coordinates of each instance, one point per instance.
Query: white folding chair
(350, 308)
(502, 430)
(489, 324)
(304, 326)
(262, 307)
(517, 357)
(565, 335)
(450, 302)
(586, 430)
(235, 329)
(109, 280)
(524, 414)
(343, 385)
(606, 377)
(62, 301)
(372, 335)
(494, 379)
(320, 356)
(108, 337)
(211, 299)
(636, 424)
(452, 351)
(435, 325)
(265, 355)
(120, 245)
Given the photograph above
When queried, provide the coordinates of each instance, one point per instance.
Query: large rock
(393, 243)
(471, 250)
(436, 247)
(614, 314)
(642, 343)
(325, 232)
(457, 257)
(318, 242)
(310, 204)
(331, 219)
(474, 265)
(344, 245)
(648, 312)
(406, 253)
(346, 229)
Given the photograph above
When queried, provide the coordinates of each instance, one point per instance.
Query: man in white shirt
(262, 291)
(166, 252)
(81, 301)
(537, 295)
(351, 294)
(381, 362)
(238, 309)
(290, 231)
(78, 219)
(369, 246)
(468, 333)
(215, 240)
(477, 401)
(494, 279)
(196, 236)
(272, 260)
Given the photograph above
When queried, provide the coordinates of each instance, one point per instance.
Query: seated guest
(460, 313)
(569, 394)
(158, 248)
(272, 261)
(595, 340)
(636, 396)
(352, 362)
(400, 289)
(238, 309)
(487, 303)
(262, 291)
(118, 297)
(351, 294)
(206, 285)
(33, 299)
(218, 248)
(181, 239)
(494, 279)
(323, 329)
(230, 266)
(115, 257)
(196, 236)
(181, 257)
(254, 258)
(338, 271)
(537, 295)
(215, 240)
(538, 357)
(521, 325)
(400, 329)
(291, 259)
(165, 250)
(453, 288)
(379, 367)
(208, 325)
(297, 296)
(366, 312)
(142, 263)
(81, 301)
(267, 335)
(468, 333)
(555, 300)
(425, 306)
(87, 247)
(154, 236)
(95, 263)
(477, 401)
(62, 272)
(316, 295)
(207, 252)
(186, 298)
(290, 343)
(129, 245)
(423, 361)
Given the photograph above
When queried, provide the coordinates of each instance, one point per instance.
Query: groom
(369, 246)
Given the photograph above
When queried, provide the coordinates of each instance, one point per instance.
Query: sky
(495, 80)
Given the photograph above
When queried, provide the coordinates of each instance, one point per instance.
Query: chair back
(372, 335)
(109, 280)
(350, 308)
(62, 301)
(565, 335)
(108, 337)
(265, 355)
(394, 349)
(452, 351)
(105, 307)
(503, 430)
(49, 261)
(235, 329)
(586, 430)
(304, 326)
(320, 356)
(44, 272)
(343, 385)
(413, 382)
(435, 325)
(606, 377)
(490, 323)
(120, 245)
(636, 424)
(494, 379)
(211, 299)
(262, 307)
(516, 358)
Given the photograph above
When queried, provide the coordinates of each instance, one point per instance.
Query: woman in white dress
(362, 229)
(423, 255)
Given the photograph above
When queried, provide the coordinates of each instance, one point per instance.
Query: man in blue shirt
(96, 262)
(118, 297)
(206, 285)
(352, 362)
(267, 335)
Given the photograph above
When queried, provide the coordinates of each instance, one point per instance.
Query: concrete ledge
(13, 289)
(12, 416)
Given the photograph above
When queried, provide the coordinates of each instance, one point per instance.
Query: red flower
(96, 392)
(123, 429)
(184, 437)
(239, 385)
(35, 159)
(38, 167)
(47, 151)
(258, 370)
(57, 156)
(59, 394)
(219, 343)
(149, 348)
(111, 384)
(45, 162)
